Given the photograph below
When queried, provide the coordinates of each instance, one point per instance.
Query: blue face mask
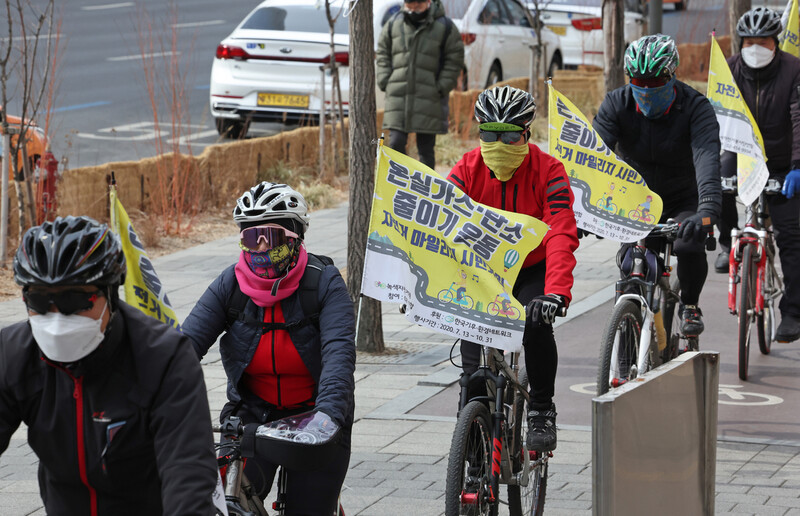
(654, 102)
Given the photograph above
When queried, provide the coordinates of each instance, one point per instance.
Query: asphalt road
(766, 407)
(103, 112)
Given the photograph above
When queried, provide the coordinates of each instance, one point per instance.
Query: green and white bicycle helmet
(651, 56)
(505, 106)
(760, 22)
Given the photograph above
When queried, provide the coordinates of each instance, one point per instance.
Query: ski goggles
(653, 82)
(67, 302)
(507, 137)
(273, 236)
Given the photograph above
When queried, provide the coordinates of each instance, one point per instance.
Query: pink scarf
(265, 292)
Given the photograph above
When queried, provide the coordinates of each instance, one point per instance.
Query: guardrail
(654, 441)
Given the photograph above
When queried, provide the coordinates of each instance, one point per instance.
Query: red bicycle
(754, 284)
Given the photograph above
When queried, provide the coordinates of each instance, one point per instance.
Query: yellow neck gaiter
(503, 159)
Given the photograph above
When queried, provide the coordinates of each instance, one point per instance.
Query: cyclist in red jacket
(509, 173)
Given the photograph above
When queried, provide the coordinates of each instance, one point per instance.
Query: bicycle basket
(301, 442)
(653, 264)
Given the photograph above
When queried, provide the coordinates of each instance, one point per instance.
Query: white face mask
(67, 338)
(756, 56)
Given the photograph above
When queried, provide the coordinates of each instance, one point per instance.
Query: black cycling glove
(543, 309)
(696, 227)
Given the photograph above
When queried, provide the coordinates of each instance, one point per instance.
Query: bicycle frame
(646, 301)
(755, 233)
(506, 374)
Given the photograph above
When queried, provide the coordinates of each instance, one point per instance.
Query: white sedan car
(269, 68)
(498, 37)
(580, 25)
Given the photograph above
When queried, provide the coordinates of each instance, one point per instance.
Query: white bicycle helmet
(270, 201)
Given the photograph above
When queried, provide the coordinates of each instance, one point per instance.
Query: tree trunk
(614, 32)
(362, 171)
(737, 9)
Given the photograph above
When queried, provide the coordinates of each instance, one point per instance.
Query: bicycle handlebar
(730, 185)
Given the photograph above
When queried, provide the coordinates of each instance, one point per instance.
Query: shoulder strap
(236, 303)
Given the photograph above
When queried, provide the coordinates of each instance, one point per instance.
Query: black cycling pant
(541, 354)
(308, 493)
(425, 144)
(691, 256)
(785, 216)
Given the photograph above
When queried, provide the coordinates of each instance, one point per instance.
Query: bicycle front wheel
(526, 495)
(746, 306)
(469, 465)
(619, 348)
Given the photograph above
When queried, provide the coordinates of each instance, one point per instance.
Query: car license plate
(561, 31)
(277, 99)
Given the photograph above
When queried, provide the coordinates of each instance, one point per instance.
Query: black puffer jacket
(132, 420)
(676, 154)
(773, 95)
(328, 351)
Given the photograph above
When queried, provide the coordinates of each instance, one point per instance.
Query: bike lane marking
(735, 397)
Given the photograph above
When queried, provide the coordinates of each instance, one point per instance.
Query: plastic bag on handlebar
(653, 264)
(303, 442)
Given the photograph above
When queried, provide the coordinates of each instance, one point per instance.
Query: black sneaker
(691, 321)
(788, 329)
(542, 429)
(722, 265)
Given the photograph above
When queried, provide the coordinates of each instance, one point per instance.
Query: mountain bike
(489, 448)
(644, 329)
(302, 441)
(754, 284)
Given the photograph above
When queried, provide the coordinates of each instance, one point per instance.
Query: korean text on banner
(738, 131)
(451, 260)
(143, 288)
(790, 37)
(611, 199)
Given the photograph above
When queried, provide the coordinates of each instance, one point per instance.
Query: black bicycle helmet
(651, 56)
(70, 251)
(270, 202)
(505, 105)
(760, 22)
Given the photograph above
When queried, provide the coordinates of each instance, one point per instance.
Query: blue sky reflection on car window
(298, 18)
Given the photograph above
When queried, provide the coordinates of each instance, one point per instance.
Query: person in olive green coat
(420, 56)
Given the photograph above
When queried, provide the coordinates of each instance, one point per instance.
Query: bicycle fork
(747, 237)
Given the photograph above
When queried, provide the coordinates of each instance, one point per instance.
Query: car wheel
(495, 74)
(233, 129)
(555, 64)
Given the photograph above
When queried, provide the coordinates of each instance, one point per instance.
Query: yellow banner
(790, 37)
(738, 131)
(143, 288)
(611, 199)
(452, 261)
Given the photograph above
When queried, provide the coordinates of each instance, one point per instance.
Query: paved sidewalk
(399, 459)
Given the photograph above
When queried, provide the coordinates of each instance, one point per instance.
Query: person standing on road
(420, 57)
(769, 81)
(509, 173)
(289, 342)
(668, 132)
(114, 401)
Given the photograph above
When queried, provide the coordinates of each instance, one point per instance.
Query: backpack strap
(308, 290)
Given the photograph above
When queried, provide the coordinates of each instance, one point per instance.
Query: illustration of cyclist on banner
(611, 199)
(449, 259)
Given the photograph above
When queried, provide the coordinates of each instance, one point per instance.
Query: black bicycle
(489, 448)
(303, 441)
